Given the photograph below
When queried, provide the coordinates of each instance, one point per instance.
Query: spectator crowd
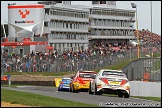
(39, 61)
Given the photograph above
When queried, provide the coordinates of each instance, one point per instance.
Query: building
(69, 27)
(66, 27)
(109, 25)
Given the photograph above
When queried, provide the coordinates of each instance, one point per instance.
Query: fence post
(9, 80)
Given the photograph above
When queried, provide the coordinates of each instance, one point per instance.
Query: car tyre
(73, 90)
(97, 93)
(59, 89)
(126, 95)
(90, 91)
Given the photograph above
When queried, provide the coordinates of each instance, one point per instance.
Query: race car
(110, 82)
(81, 81)
(64, 84)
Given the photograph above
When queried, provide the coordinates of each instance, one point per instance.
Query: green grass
(156, 55)
(115, 67)
(31, 99)
(156, 65)
(118, 66)
(124, 63)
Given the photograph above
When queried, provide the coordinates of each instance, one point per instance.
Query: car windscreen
(113, 73)
(66, 80)
(86, 75)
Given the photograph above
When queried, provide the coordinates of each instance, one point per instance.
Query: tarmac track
(84, 97)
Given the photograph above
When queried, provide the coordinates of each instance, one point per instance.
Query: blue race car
(64, 84)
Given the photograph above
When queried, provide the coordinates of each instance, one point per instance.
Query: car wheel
(59, 89)
(90, 91)
(97, 93)
(126, 95)
(120, 95)
(73, 90)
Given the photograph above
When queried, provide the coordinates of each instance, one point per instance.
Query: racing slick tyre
(126, 95)
(89, 91)
(73, 90)
(97, 93)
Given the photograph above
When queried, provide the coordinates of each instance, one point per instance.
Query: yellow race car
(81, 81)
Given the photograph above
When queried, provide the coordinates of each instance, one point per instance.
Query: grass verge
(115, 67)
(30, 99)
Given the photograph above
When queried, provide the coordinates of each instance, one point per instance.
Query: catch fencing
(69, 64)
(148, 67)
(144, 69)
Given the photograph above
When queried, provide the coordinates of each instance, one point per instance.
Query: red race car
(81, 81)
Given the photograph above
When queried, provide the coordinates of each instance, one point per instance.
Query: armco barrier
(141, 88)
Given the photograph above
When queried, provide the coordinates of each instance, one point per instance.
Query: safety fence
(135, 70)
(144, 69)
(69, 64)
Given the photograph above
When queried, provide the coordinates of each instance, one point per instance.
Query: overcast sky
(143, 12)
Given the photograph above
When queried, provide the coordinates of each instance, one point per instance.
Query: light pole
(130, 25)
(135, 6)
(151, 44)
(151, 28)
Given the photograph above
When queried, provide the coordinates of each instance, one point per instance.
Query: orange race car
(81, 81)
